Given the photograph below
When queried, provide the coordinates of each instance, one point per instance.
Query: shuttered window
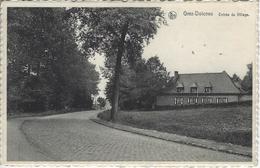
(222, 100)
(192, 100)
(179, 100)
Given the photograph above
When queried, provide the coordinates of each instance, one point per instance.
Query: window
(179, 100)
(207, 89)
(193, 89)
(180, 89)
(210, 100)
(207, 100)
(222, 100)
(203, 100)
(192, 100)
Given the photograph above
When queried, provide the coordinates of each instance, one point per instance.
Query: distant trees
(118, 33)
(46, 71)
(247, 80)
(101, 101)
(141, 84)
(244, 85)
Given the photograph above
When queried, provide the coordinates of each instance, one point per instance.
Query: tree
(117, 33)
(101, 101)
(46, 70)
(247, 80)
(141, 85)
(153, 81)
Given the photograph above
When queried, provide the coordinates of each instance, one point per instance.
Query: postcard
(152, 84)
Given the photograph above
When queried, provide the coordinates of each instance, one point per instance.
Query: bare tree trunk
(38, 69)
(116, 83)
(29, 70)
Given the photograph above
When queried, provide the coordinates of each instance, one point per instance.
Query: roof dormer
(208, 88)
(194, 87)
(180, 87)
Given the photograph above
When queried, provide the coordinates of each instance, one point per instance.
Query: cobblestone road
(73, 137)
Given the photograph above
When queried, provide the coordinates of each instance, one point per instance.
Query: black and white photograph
(156, 83)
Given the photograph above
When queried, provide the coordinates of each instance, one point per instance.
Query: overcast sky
(197, 44)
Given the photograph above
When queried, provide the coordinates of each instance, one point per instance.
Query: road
(74, 137)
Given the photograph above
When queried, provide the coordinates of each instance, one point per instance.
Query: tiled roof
(220, 83)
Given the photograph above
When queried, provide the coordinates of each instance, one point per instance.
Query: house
(201, 88)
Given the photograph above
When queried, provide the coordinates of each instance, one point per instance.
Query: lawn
(231, 124)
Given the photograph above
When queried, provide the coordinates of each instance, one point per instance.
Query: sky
(198, 44)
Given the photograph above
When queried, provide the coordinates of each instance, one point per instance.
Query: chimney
(176, 74)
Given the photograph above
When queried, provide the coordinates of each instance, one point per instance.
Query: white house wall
(170, 100)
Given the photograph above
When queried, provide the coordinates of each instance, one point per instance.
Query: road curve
(73, 137)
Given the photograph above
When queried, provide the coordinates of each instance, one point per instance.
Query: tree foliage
(141, 85)
(248, 80)
(99, 29)
(45, 68)
(101, 101)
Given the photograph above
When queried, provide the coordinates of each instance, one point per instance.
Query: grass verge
(223, 124)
